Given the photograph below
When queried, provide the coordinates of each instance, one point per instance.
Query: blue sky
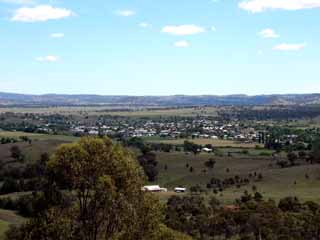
(144, 47)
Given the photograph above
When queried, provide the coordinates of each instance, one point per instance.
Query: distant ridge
(14, 99)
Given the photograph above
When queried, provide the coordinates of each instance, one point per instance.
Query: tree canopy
(103, 184)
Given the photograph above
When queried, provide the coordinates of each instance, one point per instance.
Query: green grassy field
(114, 111)
(38, 137)
(182, 112)
(203, 141)
(58, 110)
(276, 183)
(3, 228)
(8, 218)
(31, 151)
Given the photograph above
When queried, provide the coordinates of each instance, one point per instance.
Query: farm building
(208, 150)
(180, 190)
(154, 188)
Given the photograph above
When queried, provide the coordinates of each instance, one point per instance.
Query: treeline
(22, 177)
(250, 218)
(275, 113)
(7, 140)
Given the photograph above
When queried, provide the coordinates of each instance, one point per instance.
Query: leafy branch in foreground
(103, 181)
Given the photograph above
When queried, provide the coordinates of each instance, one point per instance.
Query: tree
(290, 204)
(16, 153)
(282, 163)
(191, 147)
(315, 152)
(9, 185)
(149, 164)
(187, 214)
(210, 163)
(258, 197)
(105, 181)
(292, 158)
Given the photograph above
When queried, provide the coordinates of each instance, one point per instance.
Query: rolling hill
(13, 99)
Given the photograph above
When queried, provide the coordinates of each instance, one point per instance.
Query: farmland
(116, 111)
(38, 137)
(277, 183)
(219, 152)
(214, 142)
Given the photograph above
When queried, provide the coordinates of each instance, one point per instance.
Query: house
(180, 190)
(154, 188)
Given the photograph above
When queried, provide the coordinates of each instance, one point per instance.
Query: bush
(265, 154)
(10, 185)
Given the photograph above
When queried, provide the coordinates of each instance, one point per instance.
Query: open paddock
(276, 183)
(214, 142)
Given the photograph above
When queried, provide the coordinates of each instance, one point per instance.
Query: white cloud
(125, 13)
(57, 35)
(40, 13)
(145, 25)
(268, 33)
(183, 30)
(289, 47)
(48, 58)
(182, 44)
(256, 6)
(213, 29)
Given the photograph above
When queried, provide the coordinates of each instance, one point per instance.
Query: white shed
(154, 188)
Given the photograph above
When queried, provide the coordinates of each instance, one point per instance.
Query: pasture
(204, 141)
(32, 151)
(8, 218)
(276, 183)
(39, 137)
(125, 111)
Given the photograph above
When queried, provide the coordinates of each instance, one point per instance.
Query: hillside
(12, 99)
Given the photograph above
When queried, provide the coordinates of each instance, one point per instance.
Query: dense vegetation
(252, 218)
(92, 190)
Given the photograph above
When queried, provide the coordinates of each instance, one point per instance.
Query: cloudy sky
(144, 47)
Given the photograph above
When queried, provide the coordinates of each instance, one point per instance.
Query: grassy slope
(40, 137)
(6, 219)
(32, 152)
(277, 183)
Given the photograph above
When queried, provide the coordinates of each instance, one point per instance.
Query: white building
(180, 190)
(207, 150)
(154, 188)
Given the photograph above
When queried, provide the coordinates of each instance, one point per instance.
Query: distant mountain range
(13, 99)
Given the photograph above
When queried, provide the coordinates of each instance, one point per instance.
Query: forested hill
(10, 99)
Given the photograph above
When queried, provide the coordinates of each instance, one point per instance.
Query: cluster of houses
(182, 128)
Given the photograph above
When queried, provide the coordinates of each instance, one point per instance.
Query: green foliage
(16, 153)
(166, 233)
(292, 158)
(149, 164)
(210, 163)
(105, 182)
(315, 152)
(252, 218)
(10, 185)
(191, 147)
